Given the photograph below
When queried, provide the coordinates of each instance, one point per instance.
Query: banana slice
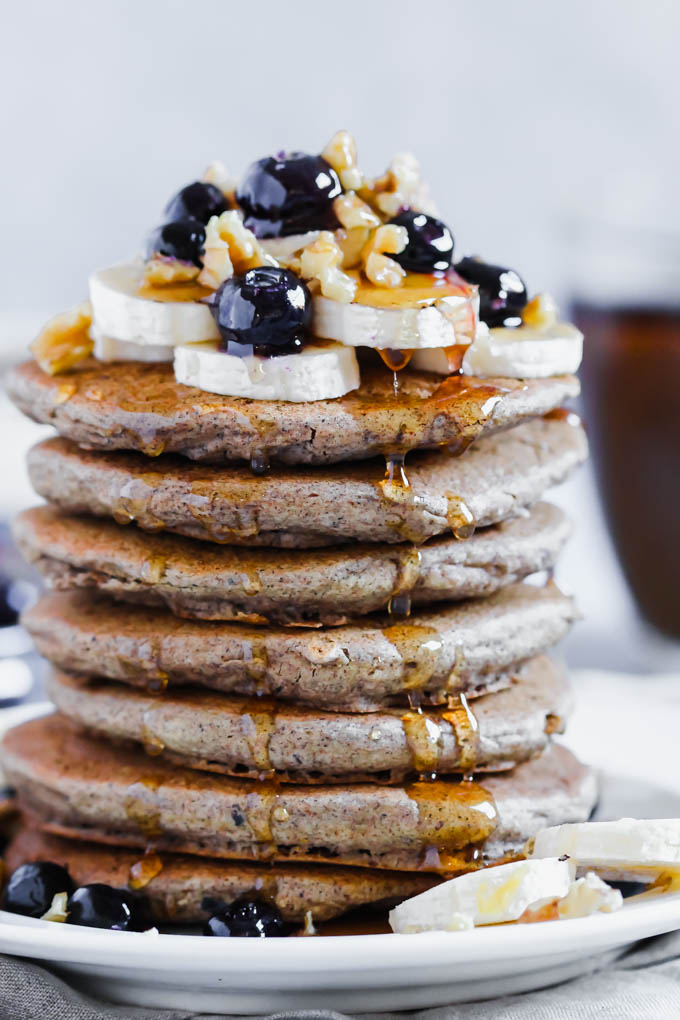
(490, 896)
(640, 848)
(121, 313)
(527, 352)
(315, 373)
(108, 349)
(429, 322)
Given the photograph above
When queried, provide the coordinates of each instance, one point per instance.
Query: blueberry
(288, 194)
(100, 906)
(502, 292)
(198, 201)
(267, 308)
(252, 919)
(8, 612)
(33, 886)
(430, 243)
(182, 239)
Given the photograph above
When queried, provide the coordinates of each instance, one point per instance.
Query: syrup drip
(256, 662)
(407, 578)
(144, 871)
(460, 518)
(454, 356)
(257, 727)
(454, 818)
(133, 504)
(395, 360)
(187, 291)
(424, 738)
(153, 569)
(564, 414)
(263, 808)
(420, 650)
(65, 390)
(146, 816)
(466, 728)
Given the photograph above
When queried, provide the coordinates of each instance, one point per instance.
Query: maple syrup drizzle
(420, 650)
(466, 728)
(564, 414)
(408, 573)
(460, 517)
(256, 663)
(153, 568)
(454, 818)
(187, 291)
(262, 808)
(146, 816)
(257, 726)
(145, 870)
(424, 738)
(395, 360)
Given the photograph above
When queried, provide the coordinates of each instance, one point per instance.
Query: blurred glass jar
(626, 299)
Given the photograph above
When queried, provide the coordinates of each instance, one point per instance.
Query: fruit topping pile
(304, 250)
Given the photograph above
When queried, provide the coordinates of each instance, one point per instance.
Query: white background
(527, 117)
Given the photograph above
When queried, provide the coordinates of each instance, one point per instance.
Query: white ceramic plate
(350, 973)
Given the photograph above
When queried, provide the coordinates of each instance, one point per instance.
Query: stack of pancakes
(324, 683)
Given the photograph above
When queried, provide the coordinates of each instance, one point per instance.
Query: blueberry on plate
(33, 886)
(100, 906)
(252, 919)
(266, 309)
(198, 201)
(502, 292)
(288, 194)
(430, 243)
(182, 239)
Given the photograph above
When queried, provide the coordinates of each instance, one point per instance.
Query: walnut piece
(321, 261)
(540, 311)
(216, 173)
(65, 340)
(400, 187)
(341, 154)
(352, 212)
(230, 248)
(162, 270)
(378, 267)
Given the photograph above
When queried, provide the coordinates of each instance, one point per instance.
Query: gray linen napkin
(643, 984)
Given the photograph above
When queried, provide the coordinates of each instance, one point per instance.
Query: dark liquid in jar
(631, 386)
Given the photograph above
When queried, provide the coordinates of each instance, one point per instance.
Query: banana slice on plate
(642, 848)
(319, 372)
(108, 349)
(490, 896)
(525, 352)
(120, 312)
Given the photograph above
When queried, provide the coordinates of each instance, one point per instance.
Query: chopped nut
(381, 270)
(230, 247)
(400, 187)
(287, 250)
(57, 909)
(353, 212)
(216, 173)
(162, 269)
(540, 311)
(341, 153)
(65, 340)
(352, 243)
(321, 261)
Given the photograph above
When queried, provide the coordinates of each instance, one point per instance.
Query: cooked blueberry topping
(198, 201)
(502, 292)
(182, 239)
(100, 906)
(288, 194)
(8, 612)
(266, 309)
(252, 919)
(33, 886)
(430, 243)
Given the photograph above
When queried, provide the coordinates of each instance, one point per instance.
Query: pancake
(473, 647)
(189, 889)
(253, 737)
(206, 581)
(135, 406)
(77, 786)
(303, 507)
